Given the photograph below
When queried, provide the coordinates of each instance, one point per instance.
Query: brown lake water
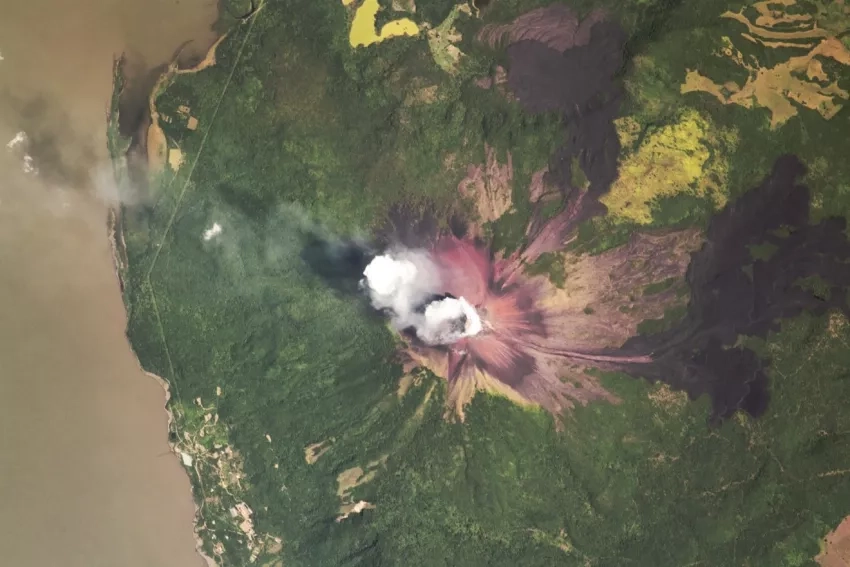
(86, 476)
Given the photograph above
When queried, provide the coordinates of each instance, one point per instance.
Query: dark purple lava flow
(528, 349)
(726, 301)
(697, 355)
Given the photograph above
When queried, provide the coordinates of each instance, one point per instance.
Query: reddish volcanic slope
(516, 354)
(538, 340)
(526, 351)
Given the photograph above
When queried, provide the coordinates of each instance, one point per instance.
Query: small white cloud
(19, 143)
(214, 230)
(20, 138)
(29, 165)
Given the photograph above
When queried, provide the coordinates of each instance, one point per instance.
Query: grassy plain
(265, 361)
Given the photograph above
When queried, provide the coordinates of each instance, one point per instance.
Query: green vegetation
(672, 315)
(443, 37)
(551, 264)
(292, 121)
(763, 251)
(658, 287)
(816, 285)
(579, 179)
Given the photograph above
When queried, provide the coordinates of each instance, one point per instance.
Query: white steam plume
(401, 282)
(448, 320)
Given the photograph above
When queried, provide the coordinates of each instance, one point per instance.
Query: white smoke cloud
(402, 281)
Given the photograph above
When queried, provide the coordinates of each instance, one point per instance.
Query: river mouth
(89, 476)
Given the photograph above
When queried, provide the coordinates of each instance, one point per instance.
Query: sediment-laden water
(86, 473)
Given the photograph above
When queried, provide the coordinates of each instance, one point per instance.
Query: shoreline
(119, 264)
(172, 447)
(156, 143)
(118, 247)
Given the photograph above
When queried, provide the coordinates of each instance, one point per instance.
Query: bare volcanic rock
(556, 26)
(537, 341)
(732, 294)
(603, 301)
(538, 189)
(581, 83)
(489, 186)
(572, 69)
(545, 79)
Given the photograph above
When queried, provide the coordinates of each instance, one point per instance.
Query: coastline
(199, 542)
(118, 247)
(156, 143)
(119, 265)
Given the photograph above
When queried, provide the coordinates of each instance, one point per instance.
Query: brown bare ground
(420, 411)
(538, 189)
(778, 87)
(837, 323)
(275, 546)
(205, 63)
(404, 385)
(175, 158)
(501, 76)
(611, 285)
(489, 186)
(484, 82)
(353, 508)
(815, 71)
(777, 44)
(463, 392)
(314, 451)
(425, 95)
(551, 372)
(156, 145)
(836, 547)
(768, 19)
(775, 88)
(408, 381)
(350, 479)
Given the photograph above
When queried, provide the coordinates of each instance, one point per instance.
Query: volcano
(540, 344)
